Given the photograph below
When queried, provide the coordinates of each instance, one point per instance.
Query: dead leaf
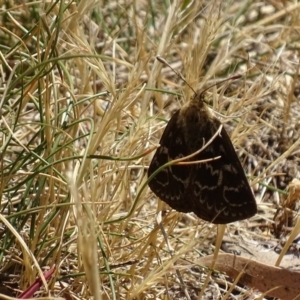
(273, 281)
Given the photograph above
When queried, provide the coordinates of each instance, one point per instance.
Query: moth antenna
(234, 77)
(163, 61)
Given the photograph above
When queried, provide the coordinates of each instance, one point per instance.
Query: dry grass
(80, 80)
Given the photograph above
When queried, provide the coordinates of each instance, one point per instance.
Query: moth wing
(171, 182)
(219, 190)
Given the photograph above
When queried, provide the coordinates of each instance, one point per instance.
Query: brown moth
(216, 191)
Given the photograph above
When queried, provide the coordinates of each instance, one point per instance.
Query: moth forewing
(216, 190)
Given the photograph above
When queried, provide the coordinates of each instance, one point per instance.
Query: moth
(216, 191)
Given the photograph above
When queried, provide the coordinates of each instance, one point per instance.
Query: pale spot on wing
(230, 169)
(178, 141)
(163, 150)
